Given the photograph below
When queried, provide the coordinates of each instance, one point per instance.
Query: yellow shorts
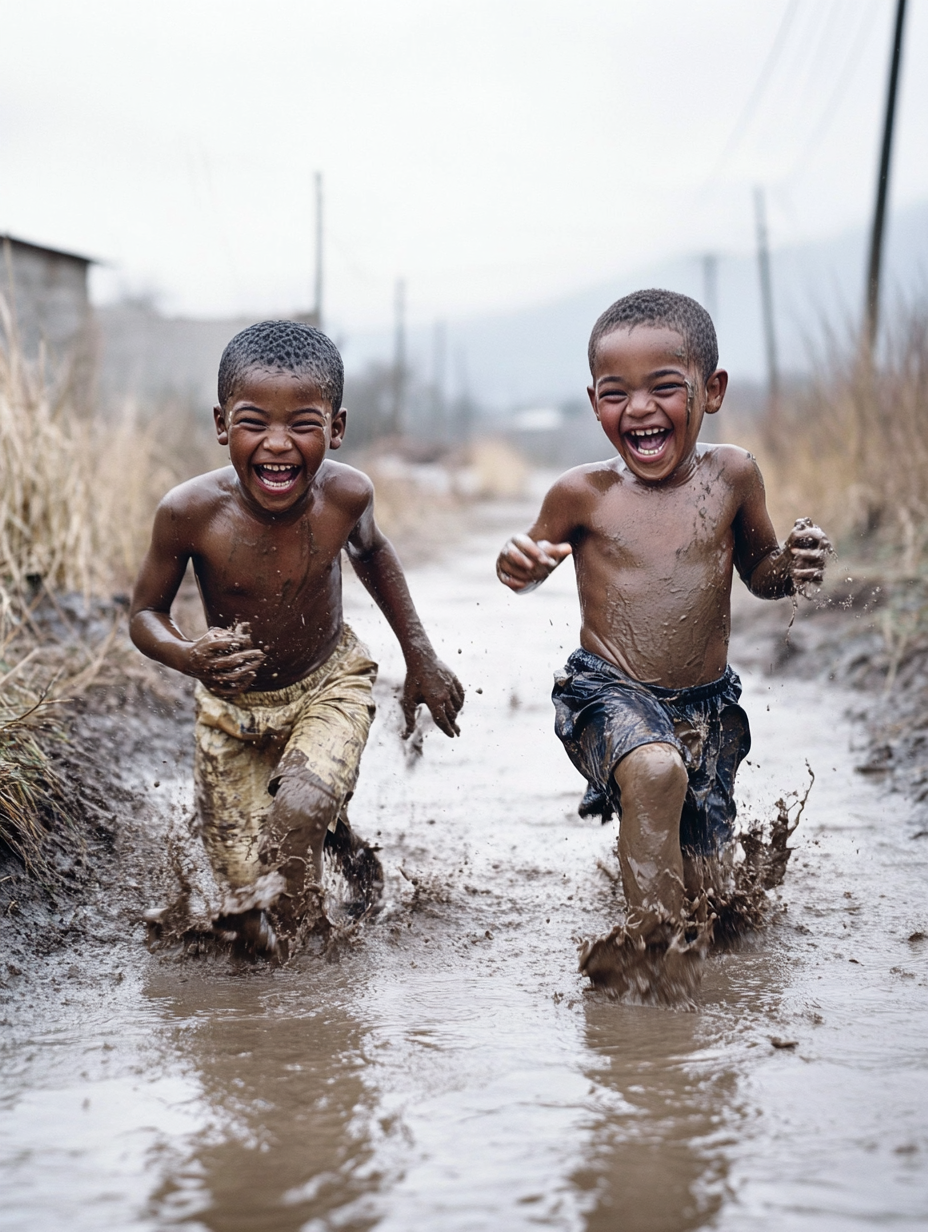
(317, 727)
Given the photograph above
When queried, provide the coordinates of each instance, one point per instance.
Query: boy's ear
(222, 432)
(338, 428)
(715, 390)
(591, 394)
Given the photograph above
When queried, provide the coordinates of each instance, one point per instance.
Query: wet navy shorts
(602, 714)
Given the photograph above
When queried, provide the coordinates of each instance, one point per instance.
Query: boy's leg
(294, 839)
(313, 779)
(653, 782)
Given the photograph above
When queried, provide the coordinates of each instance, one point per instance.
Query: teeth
(647, 431)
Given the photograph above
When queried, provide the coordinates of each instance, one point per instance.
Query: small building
(46, 290)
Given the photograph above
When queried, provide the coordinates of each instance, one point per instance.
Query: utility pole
(317, 299)
(439, 351)
(465, 408)
(882, 184)
(398, 408)
(710, 283)
(766, 301)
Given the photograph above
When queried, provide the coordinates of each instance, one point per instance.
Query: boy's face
(650, 400)
(278, 427)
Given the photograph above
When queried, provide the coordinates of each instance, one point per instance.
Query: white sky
(494, 152)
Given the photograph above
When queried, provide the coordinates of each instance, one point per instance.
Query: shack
(46, 290)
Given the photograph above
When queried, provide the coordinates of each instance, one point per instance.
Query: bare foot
(253, 930)
(663, 968)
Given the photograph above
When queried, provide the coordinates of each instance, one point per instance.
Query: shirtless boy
(648, 707)
(284, 688)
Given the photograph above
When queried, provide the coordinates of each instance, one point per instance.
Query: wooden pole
(710, 283)
(882, 184)
(766, 301)
(317, 305)
(397, 416)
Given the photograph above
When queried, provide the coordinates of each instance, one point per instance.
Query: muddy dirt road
(452, 1072)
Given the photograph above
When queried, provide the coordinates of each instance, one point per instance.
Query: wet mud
(452, 1068)
(662, 964)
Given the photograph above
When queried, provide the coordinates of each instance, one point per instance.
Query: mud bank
(865, 635)
(118, 744)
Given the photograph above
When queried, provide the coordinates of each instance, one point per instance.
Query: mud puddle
(452, 1071)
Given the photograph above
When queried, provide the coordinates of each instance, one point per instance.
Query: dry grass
(77, 495)
(76, 501)
(851, 450)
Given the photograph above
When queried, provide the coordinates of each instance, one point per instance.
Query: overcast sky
(493, 152)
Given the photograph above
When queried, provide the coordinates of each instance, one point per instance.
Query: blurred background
(455, 192)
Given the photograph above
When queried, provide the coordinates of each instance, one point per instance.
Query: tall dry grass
(851, 451)
(76, 502)
(851, 448)
(77, 494)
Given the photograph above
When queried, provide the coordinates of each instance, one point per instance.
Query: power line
(760, 85)
(852, 60)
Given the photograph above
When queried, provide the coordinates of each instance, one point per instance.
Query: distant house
(47, 291)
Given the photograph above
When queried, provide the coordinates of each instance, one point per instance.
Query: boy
(284, 688)
(647, 708)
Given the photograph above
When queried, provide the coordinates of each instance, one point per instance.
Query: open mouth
(277, 478)
(648, 442)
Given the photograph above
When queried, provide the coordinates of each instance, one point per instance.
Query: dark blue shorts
(602, 714)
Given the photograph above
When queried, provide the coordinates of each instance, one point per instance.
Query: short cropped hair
(284, 346)
(667, 308)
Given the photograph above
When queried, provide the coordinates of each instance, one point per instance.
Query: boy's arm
(223, 659)
(771, 570)
(526, 560)
(428, 680)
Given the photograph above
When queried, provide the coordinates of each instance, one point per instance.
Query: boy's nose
(278, 440)
(640, 403)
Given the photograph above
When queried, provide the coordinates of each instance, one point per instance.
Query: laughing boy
(284, 688)
(647, 708)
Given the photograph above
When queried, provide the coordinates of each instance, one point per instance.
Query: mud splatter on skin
(663, 965)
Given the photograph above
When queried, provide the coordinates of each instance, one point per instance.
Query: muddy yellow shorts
(317, 727)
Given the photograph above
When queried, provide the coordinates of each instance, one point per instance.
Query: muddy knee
(653, 770)
(297, 822)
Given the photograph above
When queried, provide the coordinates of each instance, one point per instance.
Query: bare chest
(247, 567)
(654, 532)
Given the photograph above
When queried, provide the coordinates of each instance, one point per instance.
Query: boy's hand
(430, 681)
(807, 546)
(524, 564)
(225, 660)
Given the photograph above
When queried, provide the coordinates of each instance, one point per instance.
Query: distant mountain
(537, 355)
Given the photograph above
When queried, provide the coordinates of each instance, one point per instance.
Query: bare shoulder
(586, 482)
(345, 486)
(198, 497)
(733, 465)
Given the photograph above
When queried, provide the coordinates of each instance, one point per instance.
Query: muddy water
(452, 1071)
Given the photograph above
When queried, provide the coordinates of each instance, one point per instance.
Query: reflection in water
(288, 1139)
(654, 1164)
